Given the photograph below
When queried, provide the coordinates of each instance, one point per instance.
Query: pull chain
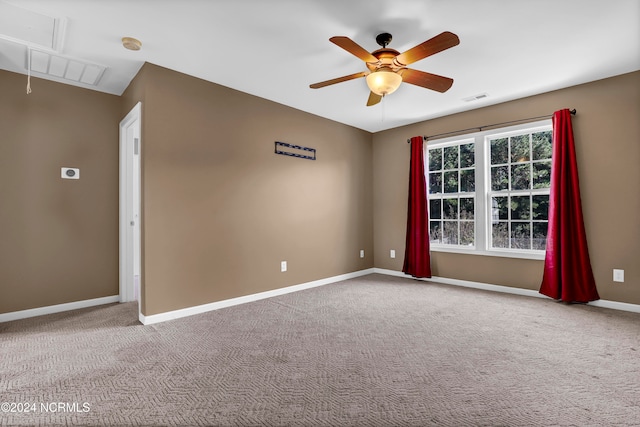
(28, 70)
(29, 63)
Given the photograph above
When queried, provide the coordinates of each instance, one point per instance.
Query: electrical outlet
(283, 266)
(392, 253)
(361, 253)
(618, 275)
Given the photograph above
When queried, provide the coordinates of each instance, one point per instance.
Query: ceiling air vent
(64, 68)
(476, 97)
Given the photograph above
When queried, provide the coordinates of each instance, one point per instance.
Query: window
(519, 189)
(489, 191)
(452, 186)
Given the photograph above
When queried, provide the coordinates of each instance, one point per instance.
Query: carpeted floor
(372, 351)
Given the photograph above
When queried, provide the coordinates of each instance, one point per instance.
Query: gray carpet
(372, 351)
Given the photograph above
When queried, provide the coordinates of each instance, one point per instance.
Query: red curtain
(567, 268)
(417, 260)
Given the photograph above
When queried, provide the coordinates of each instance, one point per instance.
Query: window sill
(502, 254)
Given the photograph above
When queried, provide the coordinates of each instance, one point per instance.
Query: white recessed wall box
(70, 173)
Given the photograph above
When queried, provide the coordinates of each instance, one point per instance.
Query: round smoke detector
(131, 43)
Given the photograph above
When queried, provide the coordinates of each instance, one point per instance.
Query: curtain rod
(480, 128)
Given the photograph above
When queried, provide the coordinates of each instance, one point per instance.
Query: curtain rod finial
(573, 112)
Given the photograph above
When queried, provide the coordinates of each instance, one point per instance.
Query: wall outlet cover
(618, 275)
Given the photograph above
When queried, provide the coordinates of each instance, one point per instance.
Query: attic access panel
(29, 28)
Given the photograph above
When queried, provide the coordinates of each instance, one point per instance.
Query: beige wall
(59, 238)
(607, 132)
(221, 210)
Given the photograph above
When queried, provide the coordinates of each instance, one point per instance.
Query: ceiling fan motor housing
(385, 58)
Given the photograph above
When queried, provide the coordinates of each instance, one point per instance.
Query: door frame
(127, 239)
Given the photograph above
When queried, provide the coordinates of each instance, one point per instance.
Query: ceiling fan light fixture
(383, 81)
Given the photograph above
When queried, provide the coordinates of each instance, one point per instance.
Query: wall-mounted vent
(31, 28)
(476, 97)
(65, 68)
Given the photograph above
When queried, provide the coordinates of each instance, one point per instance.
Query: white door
(130, 148)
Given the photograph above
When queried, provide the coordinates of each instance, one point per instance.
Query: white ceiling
(275, 48)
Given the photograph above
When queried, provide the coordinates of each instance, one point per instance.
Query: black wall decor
(289, 150)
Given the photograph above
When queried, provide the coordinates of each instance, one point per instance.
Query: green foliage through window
(516, 191)
(452, 186)
(519, 194)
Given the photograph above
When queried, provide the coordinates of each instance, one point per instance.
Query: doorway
(130, 262)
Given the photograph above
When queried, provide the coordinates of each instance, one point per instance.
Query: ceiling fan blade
(426, 80)
(434, 45)
(353, 48)
(373, 99)
(338, 80)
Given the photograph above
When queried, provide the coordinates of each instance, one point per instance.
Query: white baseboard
(507, 289)
(190, 311)
(40, 311)
(616, 305)
(176, 314)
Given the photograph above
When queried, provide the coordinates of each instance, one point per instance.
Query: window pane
(539, 236)
(467, 208)
(520, 235)
(435, 231)
(541, 145)
(467, 181)
(435, 159)
(500, 235)
(435, 183)
(451, 157)
(452, 173)
(499, 178)
(434, 209)
(467, 155)
(451, 182)
(520, 148)
(450, 208)
(542, 175)
(499, 151)
(520, 177)
(499, 209)
(520, 206)
(540, 207)
(450, 233)
(467, 233)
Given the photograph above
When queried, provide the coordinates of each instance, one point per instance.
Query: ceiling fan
(388, 67)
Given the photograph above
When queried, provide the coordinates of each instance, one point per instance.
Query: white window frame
(459, 195)
(483, 193)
